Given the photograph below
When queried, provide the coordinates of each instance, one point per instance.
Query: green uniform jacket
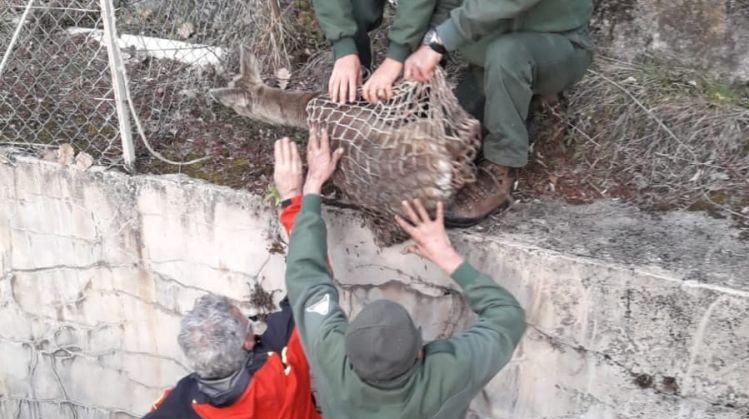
(406, 32)
(445, 380)
(460, 22)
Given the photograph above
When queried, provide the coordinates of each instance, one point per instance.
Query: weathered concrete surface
(709, 34)
(96, 269)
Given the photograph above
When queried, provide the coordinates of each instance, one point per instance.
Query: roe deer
(420, 144)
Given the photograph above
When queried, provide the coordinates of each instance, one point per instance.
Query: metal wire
(55, 85)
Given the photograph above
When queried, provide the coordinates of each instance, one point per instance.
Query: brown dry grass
(674, 137)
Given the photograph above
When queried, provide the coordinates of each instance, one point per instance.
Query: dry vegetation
(660, 137)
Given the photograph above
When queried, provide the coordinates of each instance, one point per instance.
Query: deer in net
(419, 144)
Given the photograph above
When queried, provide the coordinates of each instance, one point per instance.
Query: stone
(65, 154)
(83, 161)
(712, 35)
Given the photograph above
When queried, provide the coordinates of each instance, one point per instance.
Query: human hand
(420, 65)
(430, 236)
(380, 84)
(321, 163)
(287, 169)
(345, 79)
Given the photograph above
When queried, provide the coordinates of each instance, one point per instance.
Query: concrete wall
(643, 317)
(712, 35)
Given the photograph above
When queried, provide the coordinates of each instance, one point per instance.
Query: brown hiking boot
(478, 200)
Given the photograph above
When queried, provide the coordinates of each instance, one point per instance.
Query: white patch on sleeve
(321, 307)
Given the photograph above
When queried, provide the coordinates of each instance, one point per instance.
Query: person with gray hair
(261, 376)
(215, 337)
(236, 372)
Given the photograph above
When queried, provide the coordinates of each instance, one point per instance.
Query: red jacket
(279, 387)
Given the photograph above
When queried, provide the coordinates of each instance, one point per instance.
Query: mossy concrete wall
(630, 315)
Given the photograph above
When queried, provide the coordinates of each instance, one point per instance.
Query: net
(419, 144)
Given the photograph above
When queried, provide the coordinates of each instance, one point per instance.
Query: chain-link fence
(56, 78)
(174, 52)
(55, 83)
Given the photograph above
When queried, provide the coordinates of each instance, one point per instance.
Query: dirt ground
(182, 122)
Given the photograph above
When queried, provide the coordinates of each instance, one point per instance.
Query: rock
(712, 35)
(65, 154)
(186, 30)
(83, 161)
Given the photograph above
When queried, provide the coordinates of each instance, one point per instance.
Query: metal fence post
(15, 36)
(117, 68)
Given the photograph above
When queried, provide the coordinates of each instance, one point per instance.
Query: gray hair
(212, 336)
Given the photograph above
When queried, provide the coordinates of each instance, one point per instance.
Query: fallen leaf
(283, 75)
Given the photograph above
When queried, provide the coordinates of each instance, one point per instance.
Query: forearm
(337, 22)
(493, 304)
(313, 296)
(306, 262)
(409, 25)
(288, 214)
(488, 345)
(475, 18)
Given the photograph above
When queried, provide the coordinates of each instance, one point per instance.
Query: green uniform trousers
(368, 17)
(506, 73)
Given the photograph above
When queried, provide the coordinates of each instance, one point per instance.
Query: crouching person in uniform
(237, 373)
(517, 50)
(376, 366)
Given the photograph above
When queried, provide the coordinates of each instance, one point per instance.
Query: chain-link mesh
(174, 51)
(56, 87)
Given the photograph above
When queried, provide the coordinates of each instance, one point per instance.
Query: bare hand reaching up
(287, 170)
(432, 241)
(321, 163)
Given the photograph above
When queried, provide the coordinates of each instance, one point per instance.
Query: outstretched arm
(489, 344)
(313, 296)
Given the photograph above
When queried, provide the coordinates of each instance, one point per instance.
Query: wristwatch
(432, 40)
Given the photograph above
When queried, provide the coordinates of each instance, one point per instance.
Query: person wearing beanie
(376, 365)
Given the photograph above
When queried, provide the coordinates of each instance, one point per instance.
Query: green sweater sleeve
(337, 22)
(488, 345)
(475, 18)
(312, 294)
(409, 26)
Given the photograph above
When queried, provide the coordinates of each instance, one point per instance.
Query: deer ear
(230, 97)
(249, 67)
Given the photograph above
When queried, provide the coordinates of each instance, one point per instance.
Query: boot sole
(470, 222)
(462, 222)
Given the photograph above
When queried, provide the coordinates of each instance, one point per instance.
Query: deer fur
(250, 97)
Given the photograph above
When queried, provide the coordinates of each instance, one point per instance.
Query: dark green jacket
(406, 32)
(445, 380)
(461, 22)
